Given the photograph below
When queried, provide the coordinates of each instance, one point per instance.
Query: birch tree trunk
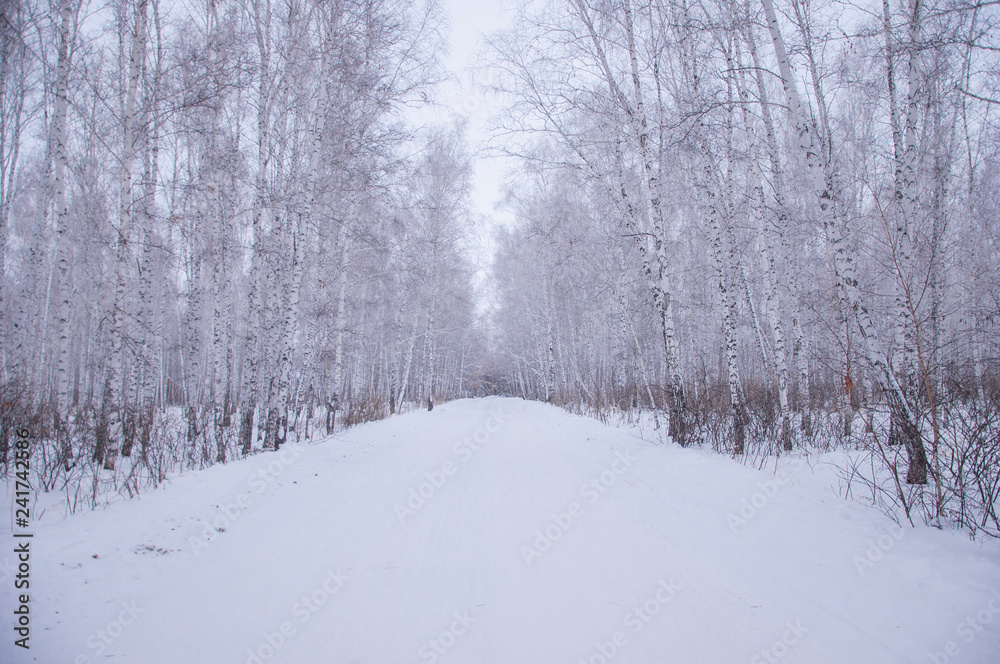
(429, 349)
(550, 361)
(339, 324)
(298, 239)
(150, 329)
(115, 407)
(727, 295)
(773, 304)
(394, 357)
(409, 362)
(783, 227)
(67, 11)
(906, 197)
(13, 84)
(266, 100)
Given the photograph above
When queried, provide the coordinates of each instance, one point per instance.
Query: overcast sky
(470, 20)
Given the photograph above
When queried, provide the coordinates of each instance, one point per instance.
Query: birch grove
(207, 229)
(767, 225)
(778, 173)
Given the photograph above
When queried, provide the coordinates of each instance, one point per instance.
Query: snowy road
(497, 530)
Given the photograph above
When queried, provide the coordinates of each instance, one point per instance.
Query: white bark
(716, 217)
(298, 234)
(67, 10)
(408, 363)
(13, 84)
(340, 322)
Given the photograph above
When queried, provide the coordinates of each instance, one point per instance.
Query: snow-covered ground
(498, 530)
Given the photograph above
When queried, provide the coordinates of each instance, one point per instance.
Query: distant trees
(220, 226)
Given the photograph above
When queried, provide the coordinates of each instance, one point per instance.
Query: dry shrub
(366, 408)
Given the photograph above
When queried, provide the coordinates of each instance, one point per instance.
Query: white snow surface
(551, 538)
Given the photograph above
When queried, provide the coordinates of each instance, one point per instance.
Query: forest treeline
(221, 227)
(767, 224)
(775, 221)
